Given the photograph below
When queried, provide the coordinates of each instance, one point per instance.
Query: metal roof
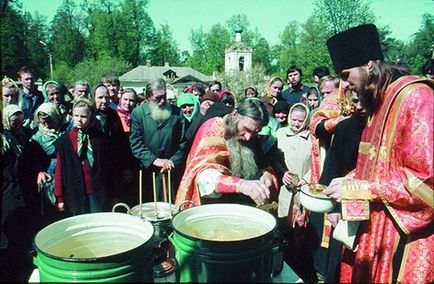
(143, 73)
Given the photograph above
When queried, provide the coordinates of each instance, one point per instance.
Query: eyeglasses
(159, 98)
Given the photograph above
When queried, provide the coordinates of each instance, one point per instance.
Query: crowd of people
(366, 134)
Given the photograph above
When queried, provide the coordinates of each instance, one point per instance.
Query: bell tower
(238, 57)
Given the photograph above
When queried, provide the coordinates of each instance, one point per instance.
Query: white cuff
(206, 182)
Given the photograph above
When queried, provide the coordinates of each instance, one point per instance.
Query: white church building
(238, 57)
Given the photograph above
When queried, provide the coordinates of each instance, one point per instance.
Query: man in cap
(391, 188)
(222, 165)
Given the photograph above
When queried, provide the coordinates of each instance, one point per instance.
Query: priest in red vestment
(390, 192)
(222, 165)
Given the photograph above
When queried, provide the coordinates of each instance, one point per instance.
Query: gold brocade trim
(356, 189)
(353, 194)
(370, 119)
(363, 217)
(419, 188)
(325, 239)
(368, 150)
(383, 155)
(212, 141)
(399, 102)
(404, 260)
(238, 186)
(391, 210)
(364, 148)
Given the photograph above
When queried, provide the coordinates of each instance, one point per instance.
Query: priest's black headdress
(354, 47)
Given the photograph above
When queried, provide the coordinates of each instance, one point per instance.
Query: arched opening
(241, 63)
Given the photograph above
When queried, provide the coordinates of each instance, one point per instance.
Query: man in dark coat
(158, 141)
(31, 97)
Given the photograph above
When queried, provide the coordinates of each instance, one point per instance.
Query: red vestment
(395, 165)
(329, 110)
(208, 151)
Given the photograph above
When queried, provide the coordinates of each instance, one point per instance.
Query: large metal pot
(160, 215)
(161, 218)
(95, 247)
(223, 243)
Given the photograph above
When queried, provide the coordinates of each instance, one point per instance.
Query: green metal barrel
(98, 247)
(224, 257)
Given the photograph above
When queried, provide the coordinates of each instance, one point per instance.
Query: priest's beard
(242, 158)
(159, 113)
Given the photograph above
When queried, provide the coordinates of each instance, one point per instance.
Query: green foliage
(38, 53)
(91, 70)
(288, 52)
(340, 15)
(114, 35)
(67, 42)
(209, 49)
(14, 53)
(169, 51)
(313, 51)
(238, 81)
(420, 49)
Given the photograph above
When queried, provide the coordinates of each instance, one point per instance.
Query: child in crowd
(81, 170)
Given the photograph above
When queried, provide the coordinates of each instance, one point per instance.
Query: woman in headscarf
(227, 98)
(127, 102)
(10, 95)
(295, 143)
(189, 105)
(12, 150)
(251, 91)
(54, 92)
(312, 99)
(50, 127)
(273, 89)
(19, 218)
(128, 181)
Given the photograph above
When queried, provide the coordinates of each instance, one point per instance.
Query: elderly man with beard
(390, 192)
(157, 139)
(222, 165)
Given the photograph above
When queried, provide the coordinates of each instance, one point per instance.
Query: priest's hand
(334, 190)
(333, 218)
(256, 190)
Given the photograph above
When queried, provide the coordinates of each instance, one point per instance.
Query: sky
(269, 16)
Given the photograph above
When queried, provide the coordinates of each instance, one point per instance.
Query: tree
(36, 31)
(340, 15)
(237, 81)
(261, 53)
(67, 42)
(420, 49)
(209, 49)
(166, 45)
(135, 32)
(102, 33)
(312, 47)
(392, 48)
(288, 50)
(14, 53)
(92, 70)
